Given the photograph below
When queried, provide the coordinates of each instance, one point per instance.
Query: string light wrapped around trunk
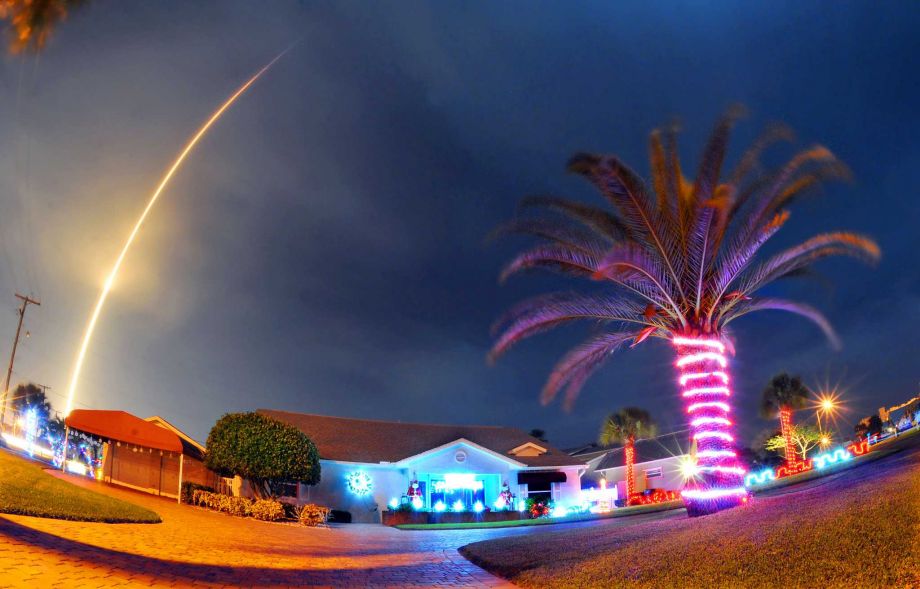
(705, 386)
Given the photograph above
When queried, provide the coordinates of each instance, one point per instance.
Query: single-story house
(659, 463)
(369, 466)
(149, 455)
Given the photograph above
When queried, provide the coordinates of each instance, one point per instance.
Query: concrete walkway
(202, 548)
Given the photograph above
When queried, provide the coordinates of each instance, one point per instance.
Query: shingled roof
(664, 446)
(372, 441)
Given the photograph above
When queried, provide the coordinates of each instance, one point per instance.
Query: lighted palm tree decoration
(677, 263)
(782, 396)
(625, 427)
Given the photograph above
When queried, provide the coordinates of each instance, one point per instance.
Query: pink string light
(723, 469)
(706, 343)
(707, 435)
(709, 405)
(707, 391)
(703, 375)
(707, 420)
(713, 493)
(702, 357)
(716, 454)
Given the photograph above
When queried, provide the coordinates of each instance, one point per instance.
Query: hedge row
(263, 509)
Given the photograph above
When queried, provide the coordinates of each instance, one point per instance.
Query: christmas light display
(439, 506)
(359, 482)
(709, 405)
(458, 506)
(656, 496)
(716, 480)
(417, 503)
(838, 455)
(796, 467)
(630, 475)
(478, 507)
(859, 449)
(394, 503)
(759, 478)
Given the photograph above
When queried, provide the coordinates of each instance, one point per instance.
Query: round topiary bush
(262, 450)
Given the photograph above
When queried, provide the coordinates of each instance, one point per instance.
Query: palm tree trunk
(785, 423)
(629, 453)
(706, 391)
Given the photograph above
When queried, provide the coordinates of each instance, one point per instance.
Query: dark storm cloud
(323, 249)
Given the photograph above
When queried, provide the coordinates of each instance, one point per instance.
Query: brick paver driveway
(197, 547)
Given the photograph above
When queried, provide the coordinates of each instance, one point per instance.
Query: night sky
(324, 248)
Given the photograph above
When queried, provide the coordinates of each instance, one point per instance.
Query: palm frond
(552, 257)
(797, 308)
(812, 250)
(545, 312)
(579, 364)
(594, 218)
(628, 259)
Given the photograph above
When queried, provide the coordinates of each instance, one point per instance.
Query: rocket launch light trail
(107, 286)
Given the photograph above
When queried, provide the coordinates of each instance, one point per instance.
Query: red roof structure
(123, 427)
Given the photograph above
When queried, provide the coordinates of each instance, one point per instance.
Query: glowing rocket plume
(78, 365)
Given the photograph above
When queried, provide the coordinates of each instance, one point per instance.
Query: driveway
(197, 547)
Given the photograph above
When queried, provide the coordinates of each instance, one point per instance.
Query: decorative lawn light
(417, 503)
(759, 478)
(500, 503)
(439, 506)
(478, 507)
(359, 482)
(796, 467)
(394, 503)
(458, 506)
(859, 449)
(838, 455)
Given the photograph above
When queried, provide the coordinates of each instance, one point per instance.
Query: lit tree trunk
(706, 392)
(785, 423)
(629, 453)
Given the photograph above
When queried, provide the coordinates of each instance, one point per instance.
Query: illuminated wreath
(359, 482)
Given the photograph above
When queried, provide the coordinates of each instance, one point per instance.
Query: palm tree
(625, 427)
(677, 262)
(32, 21)
(782, 396)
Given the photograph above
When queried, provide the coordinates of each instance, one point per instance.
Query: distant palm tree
(675, 262)
(32, 21)
(782, 396)
(625, 427)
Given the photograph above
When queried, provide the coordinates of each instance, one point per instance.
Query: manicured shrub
(263, 450)
(189, 488)
(313, 515)
(267, 509)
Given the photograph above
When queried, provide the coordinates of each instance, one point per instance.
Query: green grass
(622, 512)
(25, 489)
(855, 529)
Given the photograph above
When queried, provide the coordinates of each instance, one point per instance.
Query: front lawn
(25, 489)
(621, 512)
(856, 529)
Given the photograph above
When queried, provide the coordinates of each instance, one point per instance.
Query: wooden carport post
(181, 462)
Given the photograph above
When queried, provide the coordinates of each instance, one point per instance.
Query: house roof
(124, 427)
(665, 446)
(373, 441)
(190, 447)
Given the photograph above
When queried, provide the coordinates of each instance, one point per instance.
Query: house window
(538, 491)
(467, 489)
(286, 490)
(653, 473)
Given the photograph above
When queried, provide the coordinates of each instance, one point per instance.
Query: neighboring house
(658, 463)
(368, 464)
(149, 455)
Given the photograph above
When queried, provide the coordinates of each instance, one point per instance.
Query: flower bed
(261, 509)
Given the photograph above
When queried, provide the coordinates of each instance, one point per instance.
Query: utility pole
(26, 301)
